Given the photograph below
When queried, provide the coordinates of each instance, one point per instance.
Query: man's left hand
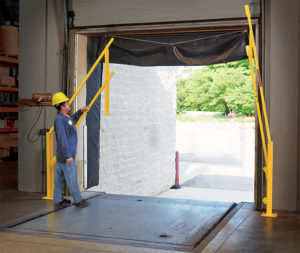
(84, 109)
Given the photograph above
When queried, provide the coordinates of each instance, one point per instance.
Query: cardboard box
(4, 123)
(15, 124)
(4, 71)
(9, 42)
(9, 142)
(4, 152)
(7, 81)
(8, 123)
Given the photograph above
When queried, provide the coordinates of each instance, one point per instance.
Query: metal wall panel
(41, 42)
(298, 155)
(111, 12)
(281, 80)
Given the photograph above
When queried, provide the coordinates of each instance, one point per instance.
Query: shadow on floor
(15, 205)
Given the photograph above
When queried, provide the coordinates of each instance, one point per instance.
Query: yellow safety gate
(51, 160)
(268, 154)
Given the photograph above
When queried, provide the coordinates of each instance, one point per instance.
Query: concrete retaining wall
(137, 139)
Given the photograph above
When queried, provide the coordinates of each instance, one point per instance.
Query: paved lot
(216, 161)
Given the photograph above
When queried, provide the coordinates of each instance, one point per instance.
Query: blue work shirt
(66, 136)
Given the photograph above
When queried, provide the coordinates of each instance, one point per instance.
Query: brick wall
(137, 139)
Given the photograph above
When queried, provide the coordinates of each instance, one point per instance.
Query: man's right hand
(69, 160)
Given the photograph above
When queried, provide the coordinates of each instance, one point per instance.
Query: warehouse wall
(298, 155)
(79, 71)
(282, 78)
(40, 71)
(282, 46)
(137, 139)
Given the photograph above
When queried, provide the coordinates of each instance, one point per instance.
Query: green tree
(223, 87)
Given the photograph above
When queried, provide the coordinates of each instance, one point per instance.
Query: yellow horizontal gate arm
(94, 99)
(91, 70)
(89, 74)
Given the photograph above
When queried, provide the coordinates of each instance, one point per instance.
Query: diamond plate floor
(131, 220)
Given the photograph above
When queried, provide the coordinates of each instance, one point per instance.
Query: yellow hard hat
(58, 98)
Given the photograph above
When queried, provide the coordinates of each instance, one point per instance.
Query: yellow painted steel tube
(268, 156)
(265, 113)
(251, 34)
(91, 70)
(48, 163)
(51, 167)
(249, 52)
(106, 82)
(269, 175)
(88, 74)
(53, 161)
(251, 38)
(49, 155)
(94, 99)
(51, 129)
(50, 195)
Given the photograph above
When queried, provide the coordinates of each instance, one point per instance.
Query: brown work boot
(65, 202)
(82, 204)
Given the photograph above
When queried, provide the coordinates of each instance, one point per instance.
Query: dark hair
(58, 106)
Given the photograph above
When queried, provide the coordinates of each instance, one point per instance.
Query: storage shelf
(9, 59)
(9, 109)
(8, 89)
(8, 65)
(8, 130)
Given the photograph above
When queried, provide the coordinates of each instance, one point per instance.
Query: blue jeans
(66, 173)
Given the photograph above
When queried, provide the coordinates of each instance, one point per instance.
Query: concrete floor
(208, 194)
(17, 205)
(248, 231)
(243, 230)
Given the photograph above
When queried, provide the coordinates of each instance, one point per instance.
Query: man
(66, 139)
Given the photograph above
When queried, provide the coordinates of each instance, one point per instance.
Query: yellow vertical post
(50, 166)
(269, 175)
(48, 161)
(106, 82)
